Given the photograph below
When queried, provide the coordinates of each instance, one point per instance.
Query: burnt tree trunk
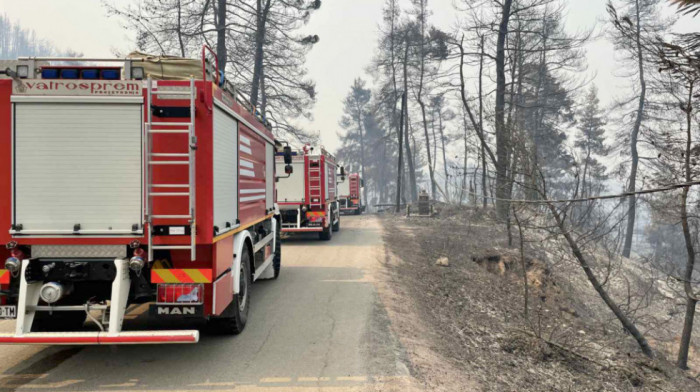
(409, 156)
(221, 34)
(624, 320)
(502, 137)
(690, 263)
(632, 200)
(400, 168)
(262, 10)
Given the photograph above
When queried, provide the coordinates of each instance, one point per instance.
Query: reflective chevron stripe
(181, 276)
(4, 277)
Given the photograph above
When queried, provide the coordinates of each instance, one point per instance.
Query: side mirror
(287, 157)
(342, 172)
(362, 182)
(289, 169)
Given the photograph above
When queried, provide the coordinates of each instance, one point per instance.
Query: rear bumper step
(300, 230)
(95, 338)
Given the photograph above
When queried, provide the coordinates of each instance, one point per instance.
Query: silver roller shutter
(78, 163)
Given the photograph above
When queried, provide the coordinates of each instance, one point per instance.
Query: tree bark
(221, 35)
(400, 168)
(179, 29)
(481, 122)
(502, 139)
(419, 97)
(360, 121)
(262, 10)
(444, 156)
(690, 250)
(409, 156)
(632, 207)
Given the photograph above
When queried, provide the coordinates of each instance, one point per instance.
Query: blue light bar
(110, 74)
(49, 73)
(89, 74)
(69, 73)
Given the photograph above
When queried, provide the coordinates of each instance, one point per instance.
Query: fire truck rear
(120, 192)
(307, 197)
(350, 195)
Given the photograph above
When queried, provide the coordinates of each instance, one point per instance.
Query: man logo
(176, 310)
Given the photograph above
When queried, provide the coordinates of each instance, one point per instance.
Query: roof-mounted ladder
(187, 190)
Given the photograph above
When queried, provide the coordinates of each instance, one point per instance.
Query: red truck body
(167, 185)
(350, 195)
(307, 197)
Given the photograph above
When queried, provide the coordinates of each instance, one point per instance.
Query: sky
(348, 31)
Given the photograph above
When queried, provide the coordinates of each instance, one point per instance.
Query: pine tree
(590, 142)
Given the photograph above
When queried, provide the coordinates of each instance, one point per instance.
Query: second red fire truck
(120, 191)
(350, 195)
(308, 197)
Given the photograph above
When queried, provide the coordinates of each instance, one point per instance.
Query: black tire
(237, 314)
(277, 260)
(327, 232)
(336, 226)
(358, 211)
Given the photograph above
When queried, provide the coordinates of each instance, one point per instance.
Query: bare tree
(257, 44)
(639, 19)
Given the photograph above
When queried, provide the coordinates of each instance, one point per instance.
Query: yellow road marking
(350, 378)
(313, 379)
(215, 384)
(53, 385)
(32, 376)
(124, 385)
(275, 379)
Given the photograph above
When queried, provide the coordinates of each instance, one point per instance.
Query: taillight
(181, 293)
(315, 216)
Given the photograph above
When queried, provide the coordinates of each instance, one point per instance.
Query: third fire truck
(308, 197)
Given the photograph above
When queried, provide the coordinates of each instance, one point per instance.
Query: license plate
(8, 312)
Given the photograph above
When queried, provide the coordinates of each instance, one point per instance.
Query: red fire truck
(120, 191)
(307, 197)
(350, 195)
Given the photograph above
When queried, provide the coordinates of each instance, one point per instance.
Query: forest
(499, 113)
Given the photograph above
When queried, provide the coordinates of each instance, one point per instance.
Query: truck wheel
(277, 260)
(336, 226)
(327, 232)
(237, 313)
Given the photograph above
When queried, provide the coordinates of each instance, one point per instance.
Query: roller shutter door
(78, 163)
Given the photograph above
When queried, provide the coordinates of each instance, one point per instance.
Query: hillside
(472, 311)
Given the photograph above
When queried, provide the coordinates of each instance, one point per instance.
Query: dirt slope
(470, 314)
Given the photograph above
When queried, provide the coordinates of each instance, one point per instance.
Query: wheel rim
(243, 289)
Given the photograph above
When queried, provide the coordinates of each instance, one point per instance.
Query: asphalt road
(320, 327)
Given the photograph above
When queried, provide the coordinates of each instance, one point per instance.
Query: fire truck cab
(126, 187)
(307, 196)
